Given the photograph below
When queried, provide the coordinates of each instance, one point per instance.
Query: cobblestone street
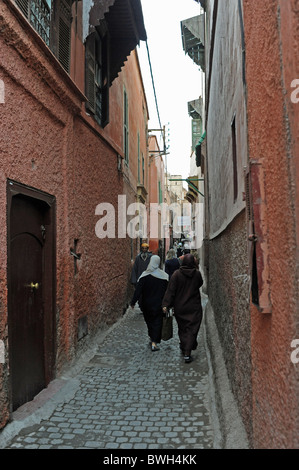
(123, 397)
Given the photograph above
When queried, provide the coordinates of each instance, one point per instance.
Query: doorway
(31, 291)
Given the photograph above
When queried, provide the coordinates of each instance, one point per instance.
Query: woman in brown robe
(184, 296)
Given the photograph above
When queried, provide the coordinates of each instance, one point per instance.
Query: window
(138, 158)
(38, 13)
(196, 132)
(97, 75)
(143, 169)
(52, 21)
(126, 127)
(62, 26)
(234, 152)
(160, 193)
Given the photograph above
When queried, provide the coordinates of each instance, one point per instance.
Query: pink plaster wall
(48, 142)
(271, 34)
(226, 257)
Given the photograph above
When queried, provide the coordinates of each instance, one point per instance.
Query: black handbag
(167, 327)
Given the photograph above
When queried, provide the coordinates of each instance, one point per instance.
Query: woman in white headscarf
(151, 287)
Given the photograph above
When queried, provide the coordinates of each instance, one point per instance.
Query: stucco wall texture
(229, 295)
(226, 87)
(257, 345)
(49, 143)
(271, 36)
(228, 280)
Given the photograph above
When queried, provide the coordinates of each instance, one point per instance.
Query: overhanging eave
(124, 19)
(192, 31)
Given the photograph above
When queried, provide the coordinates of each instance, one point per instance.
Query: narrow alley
(134, 131)
(122, 397)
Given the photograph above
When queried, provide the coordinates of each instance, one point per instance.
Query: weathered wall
(229, 295)
(226, 99)
(271, 39)
(289, 36)
(226, 256)
(49, 143)
(34, 119)
(271, 33)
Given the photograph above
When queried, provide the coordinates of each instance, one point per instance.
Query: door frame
(15, 188)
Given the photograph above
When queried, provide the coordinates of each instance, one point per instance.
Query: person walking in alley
(171, 263)
(184, 296)
(141, 263)
(179, 250)
(150, 291)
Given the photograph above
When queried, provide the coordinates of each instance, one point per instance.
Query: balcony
(193, 31)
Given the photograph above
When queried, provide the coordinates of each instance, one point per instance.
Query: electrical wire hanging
(153, 83)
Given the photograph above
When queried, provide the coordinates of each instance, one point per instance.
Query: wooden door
(30, 347)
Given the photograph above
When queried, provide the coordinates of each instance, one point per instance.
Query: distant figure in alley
(171, 263)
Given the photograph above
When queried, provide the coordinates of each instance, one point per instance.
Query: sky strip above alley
(177, 79)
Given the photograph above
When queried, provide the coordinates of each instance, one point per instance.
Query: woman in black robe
(150, 291)
(184, 296)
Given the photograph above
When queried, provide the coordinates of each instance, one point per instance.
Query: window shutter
(64, 33)
(24, 7)
(90, 72)
(97, 76)
(105, 80)
(61, 32)
(126, 127)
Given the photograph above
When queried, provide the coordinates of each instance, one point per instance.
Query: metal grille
(248, 195)
(38, 14)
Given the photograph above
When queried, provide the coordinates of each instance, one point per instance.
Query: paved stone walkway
(124, 397)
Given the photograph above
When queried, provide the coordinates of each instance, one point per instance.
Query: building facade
(251, 208)
(157, 219)
(195, 194)
(73, 129)
(272, 109)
